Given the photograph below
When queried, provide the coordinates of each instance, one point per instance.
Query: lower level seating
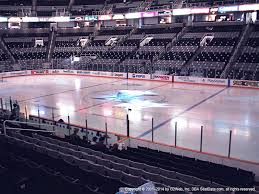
(168, 67)
(134, 66)
(244, 71)
(209, 69)
(188, 170)
(64, 177)
(23, 171)
(219, 173)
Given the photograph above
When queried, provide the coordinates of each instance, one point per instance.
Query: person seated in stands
(85, 140)
(17, 107)
(74, 138)
(94, 140)
(15, 113)
(61, 121)
(100, 145)
(115, 147)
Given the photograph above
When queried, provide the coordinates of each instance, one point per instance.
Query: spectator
(115, 147)
(61, 121)
(85, 140)
(75, 137)
(94, 140)
(101, 140)
(100, 146)
(15, 113)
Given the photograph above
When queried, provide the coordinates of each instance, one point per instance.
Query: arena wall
(137, 76)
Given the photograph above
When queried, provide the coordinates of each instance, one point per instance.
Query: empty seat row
(87, 173)
(136, 169)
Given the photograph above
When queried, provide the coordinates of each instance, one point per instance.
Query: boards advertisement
(139, 76)
(200, 80)
(40, 72)
(167, 78)
(245, 83)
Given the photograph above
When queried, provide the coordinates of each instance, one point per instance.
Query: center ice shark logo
(133, 99)
(126, 95)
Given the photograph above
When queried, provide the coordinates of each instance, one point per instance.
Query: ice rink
(217, 109)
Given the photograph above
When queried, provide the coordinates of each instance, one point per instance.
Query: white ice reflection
(182, 123)
(34, 111)
(135, 116)
(77, 84)
(107, 112)
(65, 109)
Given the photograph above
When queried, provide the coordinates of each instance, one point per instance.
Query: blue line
(181, 113)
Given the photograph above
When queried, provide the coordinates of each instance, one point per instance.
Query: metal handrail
(21, 129)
